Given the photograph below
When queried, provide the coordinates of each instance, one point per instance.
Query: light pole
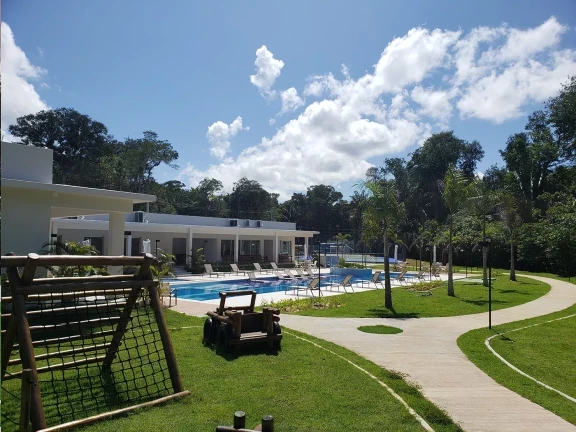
(157, 248)
(487, 244)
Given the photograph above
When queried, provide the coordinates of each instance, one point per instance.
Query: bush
(298, 305)
(425, 286)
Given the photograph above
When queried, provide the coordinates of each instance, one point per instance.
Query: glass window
(250, 247)
(285, 247)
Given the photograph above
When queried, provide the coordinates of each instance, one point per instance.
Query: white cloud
(490, 73)
(219, 135)
(434, 104)
(19, 96)
(267, 69)
(290, 100)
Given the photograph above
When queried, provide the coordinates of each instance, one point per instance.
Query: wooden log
(72, 295)
(96, 306)
(237, 293)
(65, 353)
(28, 361)
(74, 260)
(65, 280)
(59, 366)
(8, 345)
(29, 269)
(109, 414)
(166, 342)
(74, 323)
(127, 311)
(25, 400)
(83, 286)
(60, 340)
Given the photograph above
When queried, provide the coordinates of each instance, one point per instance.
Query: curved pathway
(427, 352)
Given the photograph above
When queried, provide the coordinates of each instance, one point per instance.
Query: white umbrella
(396, 253)
(434, 255)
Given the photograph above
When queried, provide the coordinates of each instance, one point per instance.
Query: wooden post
(166, 342)
(25, 399)
(29, 361)
(127, 311)
(239, 420)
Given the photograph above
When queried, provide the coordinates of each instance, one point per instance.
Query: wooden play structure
(239, 425)
(233, 326)
(80, 349)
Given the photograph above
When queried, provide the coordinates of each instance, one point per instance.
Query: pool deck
(199, 308)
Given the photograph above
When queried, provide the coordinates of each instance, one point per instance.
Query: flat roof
(78, 190)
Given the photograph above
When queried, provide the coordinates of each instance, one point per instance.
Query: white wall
(25, 220)
(22, 162)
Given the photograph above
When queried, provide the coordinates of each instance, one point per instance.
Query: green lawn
(470, 298)
(304, 387)
(545, 352)
(380, 329)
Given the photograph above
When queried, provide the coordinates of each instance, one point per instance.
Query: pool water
(200, 291)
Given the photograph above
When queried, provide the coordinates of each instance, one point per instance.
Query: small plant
(425, 286)
(299, 305)
(163, 266)
(71, 248)
(196, 261)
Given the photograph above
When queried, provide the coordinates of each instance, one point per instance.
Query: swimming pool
(200, 291)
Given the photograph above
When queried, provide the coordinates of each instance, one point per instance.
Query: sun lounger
(252, 278)
(236, 270)
(376, 280)
(283, 276)
(291, 273)
(344, 283)
(302, 274)
(210, 271)
(401, 277)
(259, 269)
(274, 266)
(312, 286)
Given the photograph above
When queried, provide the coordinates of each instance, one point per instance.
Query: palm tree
(455, 192)
(382, 212)
(71, 248)
(481, 204)
(341, 238)
(511, 221)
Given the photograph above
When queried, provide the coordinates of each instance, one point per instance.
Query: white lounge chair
(259, 269)
(312, 286)
(344, 283)
(210, 271)
(252, 278)
(236, 270)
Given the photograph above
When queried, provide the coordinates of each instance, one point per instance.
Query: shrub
(298, 305)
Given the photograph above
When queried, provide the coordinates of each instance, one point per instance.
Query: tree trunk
(387, 285)
(484, 257)
(450, 278)
(512, 264)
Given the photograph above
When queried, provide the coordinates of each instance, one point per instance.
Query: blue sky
(180, 67)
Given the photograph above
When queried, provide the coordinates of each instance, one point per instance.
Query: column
(236, 247)
(128, 239)
(116, 227)
(189, 242)
(218, 249)
(305, 248)
(275, 248)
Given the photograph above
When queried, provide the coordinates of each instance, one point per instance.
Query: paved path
(427, 352)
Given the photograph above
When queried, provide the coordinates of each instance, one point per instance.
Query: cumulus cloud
(219, 135)
(19, 96)
(267, 70)
(420, 80)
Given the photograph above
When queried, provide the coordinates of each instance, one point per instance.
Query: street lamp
(487, 244)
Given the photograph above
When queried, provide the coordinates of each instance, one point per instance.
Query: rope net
(72, 335)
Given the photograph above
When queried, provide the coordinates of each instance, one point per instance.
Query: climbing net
(94, 350)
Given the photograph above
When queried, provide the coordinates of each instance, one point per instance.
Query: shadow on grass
(482, 302)
(234, 352)
(384, 312)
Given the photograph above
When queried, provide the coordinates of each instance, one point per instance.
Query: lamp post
(157, 248)
(487, 244)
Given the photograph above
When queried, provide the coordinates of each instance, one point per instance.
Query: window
(250, 247)
(227, 248)
(285, 247)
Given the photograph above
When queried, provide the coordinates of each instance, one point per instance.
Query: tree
(71, 248)
(78, 142)
(481, 204)
(562, 116)
(341, 239)
(511, 221)
(249, 200)
(455, 192)
(382, 212)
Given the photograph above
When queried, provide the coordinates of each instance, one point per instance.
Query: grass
(380, 329)
(470, 298)
(303, 387)
(546, 352)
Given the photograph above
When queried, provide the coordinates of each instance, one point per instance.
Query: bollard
(267, 424)
(239, 419)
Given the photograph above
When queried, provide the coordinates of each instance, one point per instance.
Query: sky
(290, 94)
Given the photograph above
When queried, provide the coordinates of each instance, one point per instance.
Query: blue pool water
(209, 290)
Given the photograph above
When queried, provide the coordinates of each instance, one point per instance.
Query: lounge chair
(344, 283)
(259, 269)
(274, 266)
(252, 278)
(283, 276)
(302, 274)
(421, 275)
(376, 280)
(401, 277)
(436, 272)
(208, 269)
(312, 286)
(236, 270)
(291, 273)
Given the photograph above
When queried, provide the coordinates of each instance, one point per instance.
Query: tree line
(526, 207)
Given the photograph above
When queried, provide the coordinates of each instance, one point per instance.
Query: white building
(34, 211)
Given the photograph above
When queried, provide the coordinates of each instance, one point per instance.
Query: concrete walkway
(427, 352)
